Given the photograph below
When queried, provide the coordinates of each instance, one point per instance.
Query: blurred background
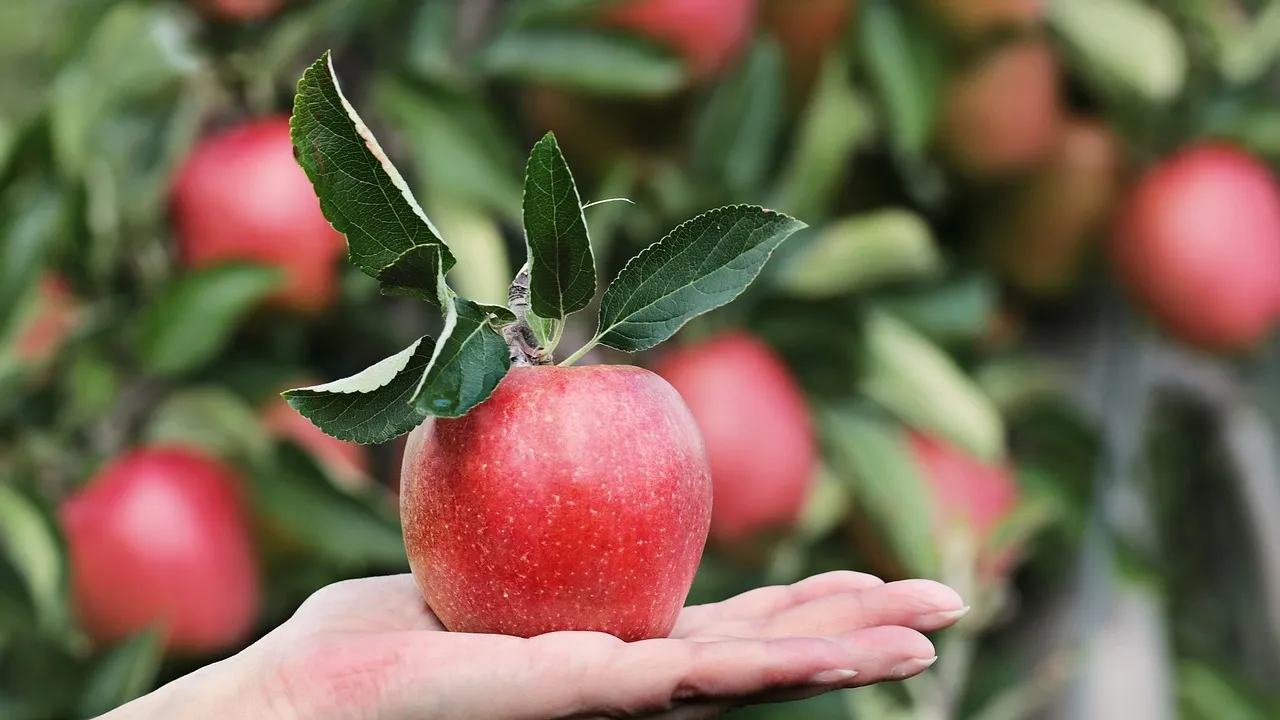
(1027, 347)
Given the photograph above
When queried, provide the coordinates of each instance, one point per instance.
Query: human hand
(370, 648)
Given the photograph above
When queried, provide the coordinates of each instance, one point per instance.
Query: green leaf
(957, 310)
(126, 672)
(372, 406)
(1127, 43)
(212, 418)
(543, 329)
(562, 271)
(595, 62)
(190, 322)
(914, 379)
(295, 495)
(32, 215)
(888, 489)
(30, 538)
(470, 359)
(859, 253)
(701, 265)
(737, 131)
(905, 64)
(1253, 50)
(361, 192)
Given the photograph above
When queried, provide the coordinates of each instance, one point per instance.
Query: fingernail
(911, 667)
(830, 677)
(947, 616)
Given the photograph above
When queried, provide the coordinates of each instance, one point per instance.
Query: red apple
(348, 462)
(806, 30)
(968, 495)
(1198, 243)
(49, 319)
(241, 196)
(242, 10)
(1047, 229)
(574, 498)
(975, 18)
(756, 427)
(1003, 115)
(161, 536)
(708, 34)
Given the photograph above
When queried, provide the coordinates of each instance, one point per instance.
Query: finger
(919, 604)
(581, 674)
(766, 601)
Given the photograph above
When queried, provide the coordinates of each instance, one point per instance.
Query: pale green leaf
(30, 539)
(1124, 42)
(126, 672)
(594, 62)
(861, 252)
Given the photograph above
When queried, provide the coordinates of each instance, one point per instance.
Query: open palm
(370, 648)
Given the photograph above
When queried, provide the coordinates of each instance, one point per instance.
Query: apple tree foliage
(903, 302)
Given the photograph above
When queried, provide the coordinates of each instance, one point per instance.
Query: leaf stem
(581, 351)
(555, 336)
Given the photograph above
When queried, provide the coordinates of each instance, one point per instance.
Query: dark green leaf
(554, 10)
(594, 62)
(737, 132)
(192, 320)
(126, 672)
(296, 496)
(905, 64)
(32, 219)
(373, 405)
(361, 192)
(701, 265)
(858, 253)
(212, 418)
(30, 538)
(470, 359)
(562, 271)
(958, 310)
(501, 314)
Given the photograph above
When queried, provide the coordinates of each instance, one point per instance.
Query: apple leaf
(470, 358)
(371, 406)
(736, 133)
(126, 672)
(190, 322)
(562, 272)
(30, 538)
(361, 193)
(701, 265)
(905, 65)
(595, 62)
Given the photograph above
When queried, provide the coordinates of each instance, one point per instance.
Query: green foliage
(562, 272)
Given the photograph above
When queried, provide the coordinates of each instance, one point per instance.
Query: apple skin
(242, 10)
(805, 30)
(757, 429)
(349, 463)
(972, 19)
(1003, 115)
(161, 535)
(708, 34)
(240, 195)
(1198, 244)
(976, 495)
(574, 498)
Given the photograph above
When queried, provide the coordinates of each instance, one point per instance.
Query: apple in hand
(240, 195)
(1003, 114)
(573, 497)
(1198, 243)
(708, 34)
(160, 536)
(756, 427)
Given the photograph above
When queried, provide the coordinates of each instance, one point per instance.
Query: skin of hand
(370, 649)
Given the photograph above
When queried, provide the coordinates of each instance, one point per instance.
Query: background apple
(160, 536)
(1002, 113)
(1199, 244)
(240, 195)
(756, 428)
(806, 30)
(242, 10)
(578, 492)
(708, 34)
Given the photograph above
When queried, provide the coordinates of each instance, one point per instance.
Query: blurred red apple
(349, 463)
(1004, 114)
(160, 536)
(708, 34)
(574, 498)
(968, 495)
(1047, 229)
(47, 322)
(975, 18)
(1198, 243)
(756, 427)
(806, 30)
(242, 10)
(241, 196)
